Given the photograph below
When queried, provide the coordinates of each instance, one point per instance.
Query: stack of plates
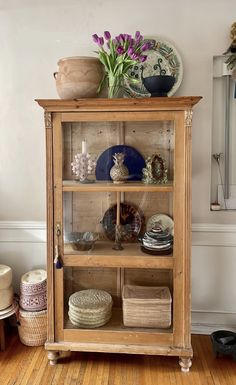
(12, 309)
(6, 289)
(157, 241)
(90, 308)
(33, 290)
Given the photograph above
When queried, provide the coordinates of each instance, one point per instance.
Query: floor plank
(23, 365)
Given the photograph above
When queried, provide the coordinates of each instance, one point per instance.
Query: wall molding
(22, 225)
(213, 228)
(213, 235)
(22, 232)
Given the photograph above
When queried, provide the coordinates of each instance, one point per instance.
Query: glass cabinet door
(91, 199)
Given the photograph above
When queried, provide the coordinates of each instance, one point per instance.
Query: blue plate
(133, 161)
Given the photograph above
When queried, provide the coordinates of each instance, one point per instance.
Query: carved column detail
(48, 119)
(188, 117)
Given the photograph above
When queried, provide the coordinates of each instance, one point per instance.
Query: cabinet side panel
(58, 215)
(50, 278)
(182, 202)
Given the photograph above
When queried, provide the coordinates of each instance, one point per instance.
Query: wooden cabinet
(151, 126)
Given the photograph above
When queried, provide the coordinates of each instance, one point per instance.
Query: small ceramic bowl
(82, 241)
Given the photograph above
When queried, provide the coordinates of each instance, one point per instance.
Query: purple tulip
(118, 39)
(100, 41)
(135, 56)
(143, 58)
(107, 35)
(151, 44)
(145, 47)
(95, 38)
(130, 51)
(138, 40)
(128, 37)
(137, 35)
(132, 41)
(120, 50)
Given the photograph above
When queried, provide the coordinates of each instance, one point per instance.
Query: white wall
(34, 36)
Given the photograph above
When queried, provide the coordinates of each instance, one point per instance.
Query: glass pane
(137, 140)
(114, 282)
(98, 222)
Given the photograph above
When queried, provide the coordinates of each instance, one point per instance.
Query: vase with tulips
(118, 55)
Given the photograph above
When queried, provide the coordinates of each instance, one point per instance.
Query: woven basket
(32, 327)
(145, 306)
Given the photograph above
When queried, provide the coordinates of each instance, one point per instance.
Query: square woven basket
(145, 306)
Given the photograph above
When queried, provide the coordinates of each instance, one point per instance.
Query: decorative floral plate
(131, 222)
(162, 59)
(162, 219)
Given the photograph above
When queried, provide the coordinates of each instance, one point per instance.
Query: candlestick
(84, 147)
(117, 245)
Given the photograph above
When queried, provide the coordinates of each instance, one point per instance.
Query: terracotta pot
(78, 77)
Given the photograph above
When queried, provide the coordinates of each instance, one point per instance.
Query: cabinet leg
(53, 357)
(2, 335)
(185, 363)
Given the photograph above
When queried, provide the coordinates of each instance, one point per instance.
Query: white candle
(84, 147)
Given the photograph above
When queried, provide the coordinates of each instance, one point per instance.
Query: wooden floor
(22, 365)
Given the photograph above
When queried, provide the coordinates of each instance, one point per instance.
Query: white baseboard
(23, 246)
(206, 322)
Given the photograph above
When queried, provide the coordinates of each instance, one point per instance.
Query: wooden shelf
(115, 332)
(104, 186)
(104, 256)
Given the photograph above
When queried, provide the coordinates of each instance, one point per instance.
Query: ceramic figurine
(83, 165)
(155, 170)
(119, 172)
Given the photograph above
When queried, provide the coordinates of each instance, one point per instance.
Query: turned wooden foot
(53, 357)
(185, 363)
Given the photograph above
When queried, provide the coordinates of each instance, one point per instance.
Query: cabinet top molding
(122, 104)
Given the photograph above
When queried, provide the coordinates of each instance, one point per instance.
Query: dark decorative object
(224, 342)
(155, 170)
(157, 241)
(158, 85)
(130, 225)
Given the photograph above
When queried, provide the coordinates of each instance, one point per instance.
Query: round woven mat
(90, 300)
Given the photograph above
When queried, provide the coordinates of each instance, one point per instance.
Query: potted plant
(231, 60)
(118, 55)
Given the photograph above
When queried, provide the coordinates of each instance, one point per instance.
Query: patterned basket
(33, 303)
(32, 327)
